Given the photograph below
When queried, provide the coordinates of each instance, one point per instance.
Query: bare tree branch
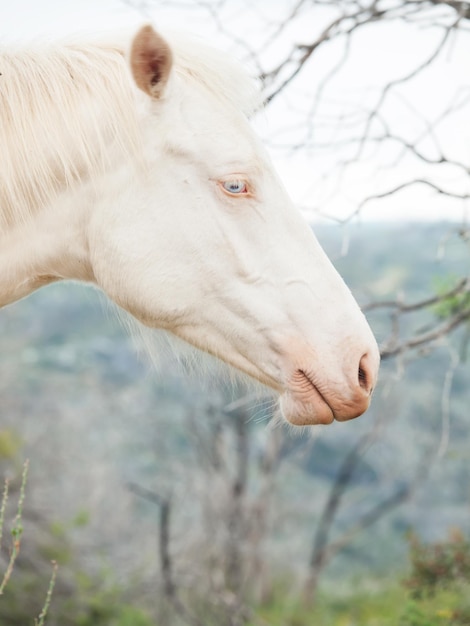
(170, 589)
(406, 185)
(393, 348)
(323, 551)
(462, 287)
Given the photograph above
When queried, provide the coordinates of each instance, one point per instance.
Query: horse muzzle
(314, 397)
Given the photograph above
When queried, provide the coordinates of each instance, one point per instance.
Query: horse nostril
(364, 376)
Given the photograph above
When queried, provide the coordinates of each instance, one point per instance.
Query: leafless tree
(222, 558)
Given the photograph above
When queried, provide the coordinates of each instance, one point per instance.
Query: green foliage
(80, 601)
(436, 593)
(57, 547)
(387, 606)
(86, 602)
(101, 602)
(130, 616)
(10, 444)
(16, 535)
(96, 607)
(415, 616)
(439, 583)
(445, 608)
(380, 607)
(451, 304)
(438, 564)
(82, 518)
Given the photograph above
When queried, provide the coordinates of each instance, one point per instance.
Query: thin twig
(461, 287)
(3, 506)
(428, 337)
(17, 530)
(42, 616)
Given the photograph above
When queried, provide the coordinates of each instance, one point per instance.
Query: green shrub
(28, 588)
(439, 564)
(439, 583)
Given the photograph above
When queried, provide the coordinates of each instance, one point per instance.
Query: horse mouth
(303, 404)
(306, 402)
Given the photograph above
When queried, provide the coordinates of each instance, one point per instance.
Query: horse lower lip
(300, 412)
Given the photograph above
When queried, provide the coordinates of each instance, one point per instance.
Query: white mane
(63, 105)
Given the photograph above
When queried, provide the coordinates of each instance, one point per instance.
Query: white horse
(134, 168)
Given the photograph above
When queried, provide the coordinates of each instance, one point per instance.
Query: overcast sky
(377, 54)
(26, 19)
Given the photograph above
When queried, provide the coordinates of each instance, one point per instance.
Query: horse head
(209, 246)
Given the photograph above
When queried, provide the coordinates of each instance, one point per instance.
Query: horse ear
(151, 61)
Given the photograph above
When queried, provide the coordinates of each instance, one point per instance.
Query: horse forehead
(203, 113)
(217, 137)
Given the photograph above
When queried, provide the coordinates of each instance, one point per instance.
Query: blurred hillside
(91, 415)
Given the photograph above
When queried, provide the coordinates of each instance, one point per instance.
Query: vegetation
(435, 592)
(112, 449)
(16, 534)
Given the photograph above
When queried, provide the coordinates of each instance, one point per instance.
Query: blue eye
(235, 186)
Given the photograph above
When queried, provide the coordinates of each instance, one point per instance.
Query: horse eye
(235, 186)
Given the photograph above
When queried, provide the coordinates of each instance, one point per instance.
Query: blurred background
(169, 499)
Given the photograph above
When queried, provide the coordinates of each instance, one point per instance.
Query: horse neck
(50, 246)
(70, 134)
